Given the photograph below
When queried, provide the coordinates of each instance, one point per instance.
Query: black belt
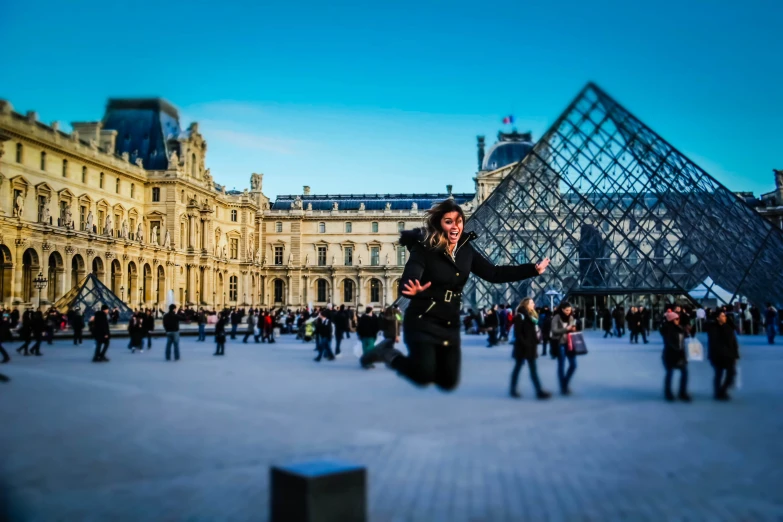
(449, 295)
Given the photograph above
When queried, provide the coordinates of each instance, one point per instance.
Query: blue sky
(373, 97)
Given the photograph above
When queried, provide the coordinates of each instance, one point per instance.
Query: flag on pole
(508, 119)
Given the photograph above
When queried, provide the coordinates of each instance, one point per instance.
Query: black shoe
(723, 397)
(332, 358)
(38, 354)
(104, 359)
(684, 397)
(7, 359)
(388, 355)
(565, 391)
(669, 397)
(542, 395)
(215, 353)
(317, 359)
(4, 378)
(337, 352)
(515, 394)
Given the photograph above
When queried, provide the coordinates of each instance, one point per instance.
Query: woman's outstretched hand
(412, 288)
(541, 265)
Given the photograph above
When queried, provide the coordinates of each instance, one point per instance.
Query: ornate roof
(371, 201)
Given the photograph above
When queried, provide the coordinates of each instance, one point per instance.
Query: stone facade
(71, 204)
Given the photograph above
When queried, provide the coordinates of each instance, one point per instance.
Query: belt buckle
(447, 296)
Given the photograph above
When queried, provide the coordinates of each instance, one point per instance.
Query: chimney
(108, 140)
(778, 186)
(88, 130)
(480, 152)
(306, 190)
(32, 116)
(448, 189)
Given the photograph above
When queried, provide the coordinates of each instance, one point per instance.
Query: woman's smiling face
(451, 224)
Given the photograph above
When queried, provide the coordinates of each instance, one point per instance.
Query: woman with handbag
(526, 347)
(563, 323)
(674, 355)
(441, 259)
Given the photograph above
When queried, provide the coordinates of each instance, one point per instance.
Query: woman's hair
(434, 236)
(522, 308)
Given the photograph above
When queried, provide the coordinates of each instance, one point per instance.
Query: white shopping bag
(738, 379)
(277, 332)
(357, 350)
(694, 349)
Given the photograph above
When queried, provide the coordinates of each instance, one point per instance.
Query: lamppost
(141, 297)
(197, 294)
(40, 284)
(224, 299)
(122, 294)
(214, 302)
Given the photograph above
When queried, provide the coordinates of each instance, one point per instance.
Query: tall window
(43, 160)
(132, 227)
(400, 226)
(321, 288)
(82, 217)
(375, 226)
(100, 180)
(234, 248)
(279, 227)
(278, 255)
(321, 256)
(348, 256)
(117, 186)
(348, 291)
(233, 215)
(278, 290)
(400, 255)
(117, 224)
(133, 190)
(84, 174)
(375, 254)
(63, 206)
(65, 168)
(375, 291)
(321, 227)
(19, 152)
(348, 227)
(41, 205)
(233, 287)
(155, 194)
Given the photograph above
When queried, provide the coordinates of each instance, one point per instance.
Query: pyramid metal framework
(620, 211)
(89, 295)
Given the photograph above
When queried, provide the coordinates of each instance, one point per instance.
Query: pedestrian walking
(5, 335)
(38, 326)
(367, 331)
(76, 320)
(389, 324)
(341, 328)
(26, 332)
(323, 329)
(148, 323)
(440, 262)
(723, 354)
(564, 323)
(770, 318)
(136, 332)
(102, 334)
(525, 326)
(171, 327)
(251, 326)
(674, 357)
(606, 323)
(220, 335)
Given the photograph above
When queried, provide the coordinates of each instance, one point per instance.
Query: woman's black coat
(433, 315)
(722, 347)
(525, 338)
(673, 345)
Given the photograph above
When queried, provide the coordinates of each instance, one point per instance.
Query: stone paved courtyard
(144, 440)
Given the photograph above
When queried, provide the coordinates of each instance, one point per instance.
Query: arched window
(232, 288)
(375, 291)
(321, 288)
(100, 180)
(84, 174)
(65, 168)
(43, 160)
(278, 290)
(348, 291)
(19, 152)
(321, 227)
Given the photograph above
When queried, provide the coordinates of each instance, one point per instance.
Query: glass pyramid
(89, 295)
(620, 211)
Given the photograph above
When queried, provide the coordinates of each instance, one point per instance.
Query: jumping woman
(441, 259)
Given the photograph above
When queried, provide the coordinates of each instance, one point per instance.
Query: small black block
(318, 491)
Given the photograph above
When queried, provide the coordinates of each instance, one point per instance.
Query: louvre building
(622, 214)
(130, 201)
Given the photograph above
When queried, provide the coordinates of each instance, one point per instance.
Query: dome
(505, 153)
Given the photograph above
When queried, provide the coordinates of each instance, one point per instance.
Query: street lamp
(122, 293)
(224, 299)
(214, 302)
(141, 297)
(40, 284)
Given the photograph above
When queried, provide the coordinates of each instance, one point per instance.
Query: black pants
(338, 338)
(77, 336)
(149, 340)
(5, 355)
(533, 373)
(667, 383)
(492, 338)
(721, 384)
(36, 349)
(100, 353)
(26, 344)
(220, 349)
(635, 336)
(248, 334)
(431, 363)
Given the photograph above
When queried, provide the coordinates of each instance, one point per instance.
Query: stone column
(16, 291)
(191, 232)
(68, 261)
